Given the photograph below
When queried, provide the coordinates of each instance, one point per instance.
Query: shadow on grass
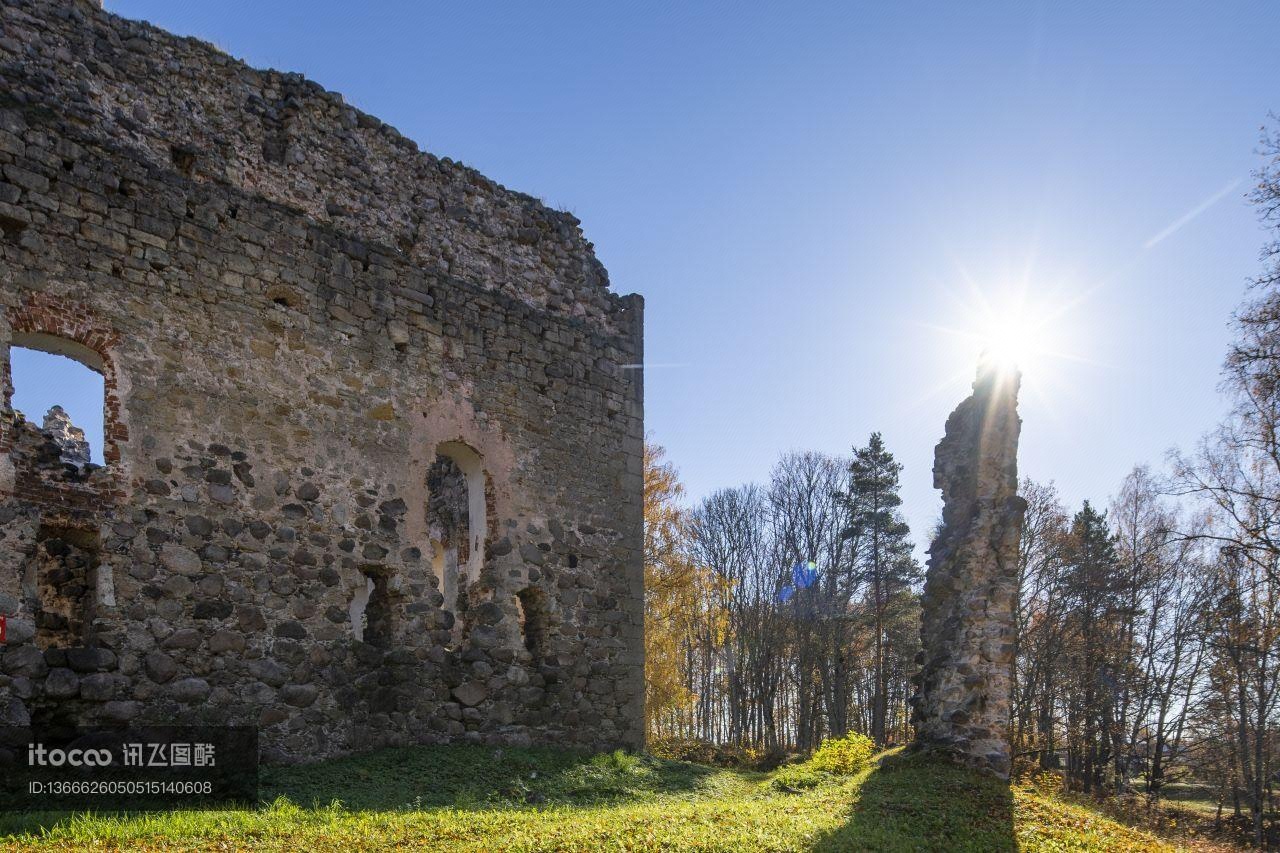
(473, 776)
(918, 803)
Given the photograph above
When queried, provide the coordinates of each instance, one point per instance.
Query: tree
(884, 561)
(1094, 603)
(1236, 473)
(1244, 640)
(1163, 580)
(678, 605)
(1039, 636)
(730, 539)
(807, 521)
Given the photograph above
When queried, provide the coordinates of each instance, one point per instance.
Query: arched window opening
(359, 605)
(535, 620)
(371, 611)
(58, 386)
(456, 516)
(64, 572)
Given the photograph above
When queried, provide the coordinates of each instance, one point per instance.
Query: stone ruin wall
(964, 686)
(294, 312)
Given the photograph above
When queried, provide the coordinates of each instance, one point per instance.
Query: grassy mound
(473, 798)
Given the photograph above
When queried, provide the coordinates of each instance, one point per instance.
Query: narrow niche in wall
(535, 620)
(456, 521)
(371, 611)
(58, 386)
(64, 573)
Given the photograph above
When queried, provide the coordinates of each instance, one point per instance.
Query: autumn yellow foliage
(679, 600)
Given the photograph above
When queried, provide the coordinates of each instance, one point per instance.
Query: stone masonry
(304, 324)
(73, 449)
(961, 707)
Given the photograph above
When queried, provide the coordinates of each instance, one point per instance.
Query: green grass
(1192, 795)
(473, 798)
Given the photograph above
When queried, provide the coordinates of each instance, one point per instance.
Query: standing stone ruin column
(961, 707)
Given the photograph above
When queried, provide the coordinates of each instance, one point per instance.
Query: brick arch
(63, 327)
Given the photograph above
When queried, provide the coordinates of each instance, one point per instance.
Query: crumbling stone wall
(294, 312)
(961, 707)
(72, 447)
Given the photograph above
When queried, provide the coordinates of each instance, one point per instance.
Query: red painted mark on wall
(3, 620)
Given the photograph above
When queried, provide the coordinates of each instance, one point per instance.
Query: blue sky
(806, 193)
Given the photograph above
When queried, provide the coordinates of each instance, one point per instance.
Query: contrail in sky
(1193, 213)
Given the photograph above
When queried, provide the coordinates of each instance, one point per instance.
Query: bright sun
(1013, 326)
(1014, 337)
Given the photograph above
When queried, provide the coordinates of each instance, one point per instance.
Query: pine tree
(1093, 591)
(884, 560)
